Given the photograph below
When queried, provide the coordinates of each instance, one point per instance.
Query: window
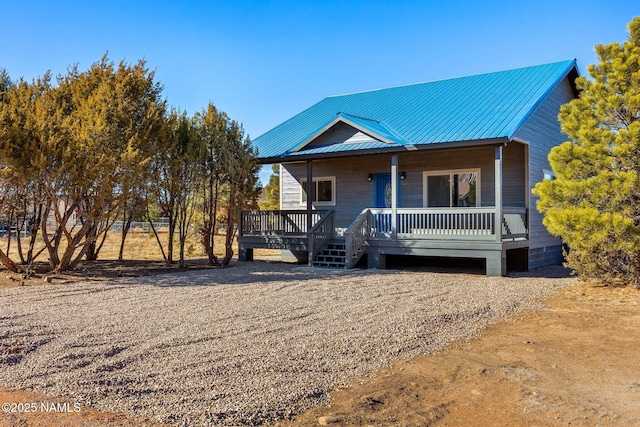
(323, 191)
(451, 189)
(548, 175)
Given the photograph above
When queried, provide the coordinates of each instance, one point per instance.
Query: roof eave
(391, 150)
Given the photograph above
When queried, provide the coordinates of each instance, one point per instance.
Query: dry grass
(142, 257)
(143, 246)
(138, 246)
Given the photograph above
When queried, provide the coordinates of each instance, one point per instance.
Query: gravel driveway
(243, 345)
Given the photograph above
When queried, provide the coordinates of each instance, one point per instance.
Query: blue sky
(264, 61)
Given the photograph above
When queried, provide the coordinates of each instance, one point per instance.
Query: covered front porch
(377, 232)
(456, 225)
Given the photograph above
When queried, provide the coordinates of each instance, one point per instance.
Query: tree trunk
(19, 229)
(182, 236)
(214, 221)
(8, 263)
(9, 233)
(126, 225)
(103, 238)
(231, 232)
(35, 226)
(52, 243)
(206, 239)
(228, 254)
(172, 232)
(88, 229)
(155, 233)
(35, 221)
(65, 260)
(73, 264)
(91, 252)
(210, 223)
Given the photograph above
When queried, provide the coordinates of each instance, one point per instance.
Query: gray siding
(290, 186)
(514, 182)
(340, 133)
(542, 132)
(355, 193)
(539, 257)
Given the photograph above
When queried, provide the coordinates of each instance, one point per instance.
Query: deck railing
(276, 223)
(424, 223)
(450, 223)
(356, 237)
(321, 233)
(514, 223)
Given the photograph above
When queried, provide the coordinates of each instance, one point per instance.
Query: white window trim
(425, 174)
(303, 184)
(280, 186)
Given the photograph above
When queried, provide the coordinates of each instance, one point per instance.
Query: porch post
(497, 260)
(309, 194)
(394, 196)
(498, 189)
(309, 210)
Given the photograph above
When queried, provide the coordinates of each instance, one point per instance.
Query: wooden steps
(333, 255)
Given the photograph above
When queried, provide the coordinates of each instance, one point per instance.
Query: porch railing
(356, 237)
(425, 223)
(276, 223)
(450, 224)
(514, 223)
(320, 234)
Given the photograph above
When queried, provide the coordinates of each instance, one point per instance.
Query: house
(442, 169)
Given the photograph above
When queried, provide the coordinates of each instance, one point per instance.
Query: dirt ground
(574, 362)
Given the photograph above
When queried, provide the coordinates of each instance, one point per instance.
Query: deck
(458, 232)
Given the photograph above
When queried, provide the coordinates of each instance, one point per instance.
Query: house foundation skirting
(493, 253)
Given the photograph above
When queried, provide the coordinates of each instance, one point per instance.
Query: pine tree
(594, 202)
(212, 125)
(82, 142)
(241, 167)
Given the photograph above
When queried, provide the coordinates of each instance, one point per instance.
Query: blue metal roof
(479, 107)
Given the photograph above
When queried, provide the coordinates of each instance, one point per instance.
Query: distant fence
(161, 226)
(136, 226)
(10, 229)
(142, 226)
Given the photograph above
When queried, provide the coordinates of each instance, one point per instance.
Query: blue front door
(382, 190)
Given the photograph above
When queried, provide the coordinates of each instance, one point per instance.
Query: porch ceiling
(371, 148)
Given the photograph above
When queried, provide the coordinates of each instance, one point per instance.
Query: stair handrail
(356, 237)
(320, 234)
